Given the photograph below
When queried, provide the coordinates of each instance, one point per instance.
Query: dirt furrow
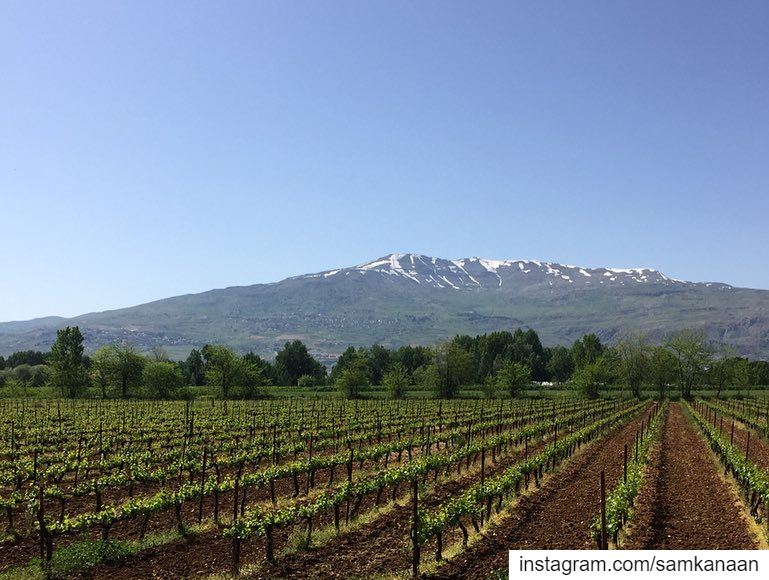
(557, 516)
(690, 505)
(385, 541)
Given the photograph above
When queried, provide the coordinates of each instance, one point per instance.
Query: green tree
(222, 368)
(721, 372)
(233, 375)
(127, 370)
(514, 377)
(741, 373)
(306, 382)
(293, 361)
(161, 379)
(455, 368)
(489, 386)
(427, 376)
(395, 380)
(587, 350)
(194, 368)
(633, 363)
(693, 356)
(350, 356)
(591, 377)
(39, 375)
(412, 357)
(561, 364)
(26, 357)
(265, 369)
(379, 360)
(662, 369)
(23, 373)
(353, 376)
(103, 368)
(68, 372)
(759, 372)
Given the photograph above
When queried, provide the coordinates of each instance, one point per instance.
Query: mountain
(414, 299)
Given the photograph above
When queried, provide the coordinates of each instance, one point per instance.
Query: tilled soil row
(689, 506)
(209, 553)
(557, 516)
(20, 552)
(758, 452)
(386, 540)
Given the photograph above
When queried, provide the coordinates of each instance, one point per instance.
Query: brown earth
(557, 517)
(385, 541)
(690, 505)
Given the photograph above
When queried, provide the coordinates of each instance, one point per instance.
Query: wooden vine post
(415, 528)
(604, 539)
(747, 447)
(624, 465)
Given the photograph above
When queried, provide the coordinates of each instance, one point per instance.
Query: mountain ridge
(407, 298)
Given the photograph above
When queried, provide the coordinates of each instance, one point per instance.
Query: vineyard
(302, 488)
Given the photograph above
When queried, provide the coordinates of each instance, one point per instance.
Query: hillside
(409, 298)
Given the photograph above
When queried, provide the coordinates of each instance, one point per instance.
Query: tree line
(498, 361)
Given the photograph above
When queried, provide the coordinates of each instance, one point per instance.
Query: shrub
(307, 381)
(396, 380)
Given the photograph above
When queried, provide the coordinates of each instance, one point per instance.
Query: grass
(80, 556)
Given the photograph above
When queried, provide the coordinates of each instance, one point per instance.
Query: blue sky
(150, 148)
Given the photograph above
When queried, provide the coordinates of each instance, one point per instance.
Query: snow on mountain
(479, 272)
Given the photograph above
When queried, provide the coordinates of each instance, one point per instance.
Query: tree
(264, 368)
(235, 376)
(591, 377)
(127, 370)
(68, 372)
(721, 373)
(662, 369)
(379, 362)
(513, 377)
(633, 363)
(306, 382)
(23, 373)
(741, 372)
(412, 357)
(692, 357)
(353, 376)
(221, 367)
(26, 357)
(395, 380)
(587, 350)
(561, 365)
(489, 386)
(759, 372)
(161, 379)
(194, 368)
(351, 356)
(294, 361)
(103, 367)
(427, 376)
(455, 368)
(39, 375)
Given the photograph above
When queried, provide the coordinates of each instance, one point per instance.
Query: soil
(558, 516)
(684, 503)
(689, 506)
(385, 541)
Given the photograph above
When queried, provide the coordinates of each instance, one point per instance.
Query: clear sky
(152, 148)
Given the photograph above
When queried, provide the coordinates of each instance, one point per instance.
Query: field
(327, 488)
